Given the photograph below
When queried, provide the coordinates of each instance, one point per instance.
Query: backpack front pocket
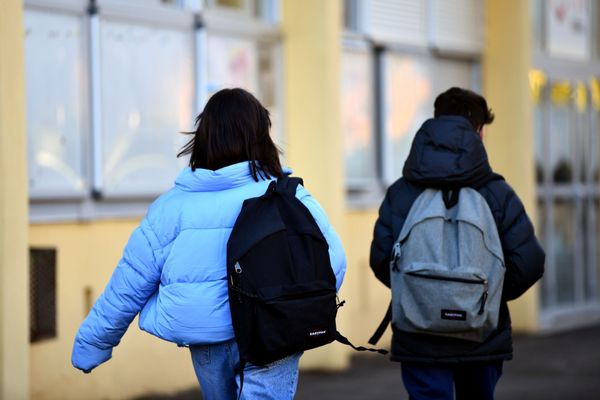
(439, 301)
(292, 321)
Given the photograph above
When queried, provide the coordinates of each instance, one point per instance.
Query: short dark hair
(234, 127)
(466, 103)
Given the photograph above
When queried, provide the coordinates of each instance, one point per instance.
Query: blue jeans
(435, 382)
(216, 366)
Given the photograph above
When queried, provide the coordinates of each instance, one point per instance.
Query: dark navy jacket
(448, 153)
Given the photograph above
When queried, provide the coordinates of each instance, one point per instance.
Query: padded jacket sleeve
(337, 256)
(383, 241)
(132, 283)
(392, 215)
(523, 255)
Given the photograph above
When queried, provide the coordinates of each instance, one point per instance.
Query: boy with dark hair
(448, 154)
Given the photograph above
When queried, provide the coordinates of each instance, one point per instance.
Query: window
(391, 73)
(146, 100)
(566, 95)
(233, 63)
(57, 117)
(358, 109)
(567, 141)
(412, 83)
(568, 28)
(351, 15)
(111, 88)
(42, 291)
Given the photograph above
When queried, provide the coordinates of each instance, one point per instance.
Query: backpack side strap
(382, 326)
(342, 339)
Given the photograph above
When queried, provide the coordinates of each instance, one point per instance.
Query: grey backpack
(447, 267)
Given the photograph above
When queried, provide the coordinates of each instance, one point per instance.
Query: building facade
(95, 93)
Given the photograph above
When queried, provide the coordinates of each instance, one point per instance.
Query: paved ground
(560, 366)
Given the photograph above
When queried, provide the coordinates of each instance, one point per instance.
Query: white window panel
(407, 103)
(269, 83)
(568, 28)
(411, 84)
(56, 105)
(456, 26)
(147, 95)
(232, 62)
(396, 21)
(357, 117)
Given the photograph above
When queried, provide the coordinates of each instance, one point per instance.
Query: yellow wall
(366, 298)
(313, 143)
(87, 253)
(509, 140)
(14, 294)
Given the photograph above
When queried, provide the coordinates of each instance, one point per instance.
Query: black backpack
(282, 290)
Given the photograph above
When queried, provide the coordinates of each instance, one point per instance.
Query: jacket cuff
(87, 357)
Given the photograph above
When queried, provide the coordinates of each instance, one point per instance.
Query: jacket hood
(447, 153)
(206, 180)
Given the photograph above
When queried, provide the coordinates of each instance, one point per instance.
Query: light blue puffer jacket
(173, 268)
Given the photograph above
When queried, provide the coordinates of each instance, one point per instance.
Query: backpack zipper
(312, 293)
(483, 282)
(484, 297)
(238, 270)
(447, 278)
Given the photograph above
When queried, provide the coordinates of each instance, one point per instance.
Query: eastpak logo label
(454, 315)
(319, 332)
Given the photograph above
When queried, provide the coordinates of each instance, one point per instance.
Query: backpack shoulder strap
(288, 185)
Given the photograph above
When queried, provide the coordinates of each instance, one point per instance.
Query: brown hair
(234, 127)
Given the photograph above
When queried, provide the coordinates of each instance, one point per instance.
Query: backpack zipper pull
(484, 297)
(238, 270)
(395, 256)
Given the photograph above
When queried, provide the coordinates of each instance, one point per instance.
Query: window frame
(91, 205)
(358, 25)
(72, 8)
(582, 192)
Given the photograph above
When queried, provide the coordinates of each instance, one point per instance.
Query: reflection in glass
(595, 145)
(147, 93)
(267, 83)
(561, 150)
(585, 151)
(596, 204)
(564, 250)
(357, 116)
(546, 297)
(408, 104)
(539, 142)
(233, 62)
(412, 83)
(55, 106)
(589, 225)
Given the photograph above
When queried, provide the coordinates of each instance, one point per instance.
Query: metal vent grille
(42, 270)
